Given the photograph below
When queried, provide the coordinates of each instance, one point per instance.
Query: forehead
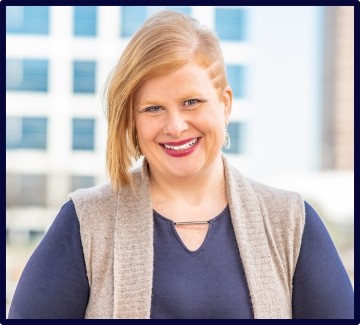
(190, 78)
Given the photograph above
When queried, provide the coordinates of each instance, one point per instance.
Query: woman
(186, 235)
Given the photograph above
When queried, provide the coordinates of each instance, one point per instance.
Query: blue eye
(153, 109)
(191, 102)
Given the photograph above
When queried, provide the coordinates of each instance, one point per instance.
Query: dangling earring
(227, 139)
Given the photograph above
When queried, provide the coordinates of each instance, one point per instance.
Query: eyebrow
(186, 96)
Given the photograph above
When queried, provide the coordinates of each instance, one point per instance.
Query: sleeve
(321, 286)
(54, 282)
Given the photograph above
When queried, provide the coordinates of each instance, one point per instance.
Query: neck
(206, 185)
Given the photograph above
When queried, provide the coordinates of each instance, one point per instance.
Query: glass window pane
(14, 74)
(230, 24)
(34, 131)
(78, 182)
(26, 132)
(25, 190)
(14, 18)
(27, 20)
(35, 75)
(131, 19)
(85, 20)
(83, 134)
(27, 75)
(236, 79)
(13, 132)
(184, 10)
(84, 76)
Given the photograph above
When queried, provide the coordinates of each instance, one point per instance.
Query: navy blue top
(206, 283)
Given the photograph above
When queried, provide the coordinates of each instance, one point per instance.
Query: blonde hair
(166, 41)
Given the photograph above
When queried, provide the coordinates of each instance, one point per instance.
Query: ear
(227, 101)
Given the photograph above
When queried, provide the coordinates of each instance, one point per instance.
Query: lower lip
(180, 153)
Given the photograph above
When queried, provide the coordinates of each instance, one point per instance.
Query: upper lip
(179, 143)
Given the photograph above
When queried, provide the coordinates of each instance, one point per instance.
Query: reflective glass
(85, 19)
(84, 76)
(27, 20)
(236, 78)
(83, 134)
(26, 132)
(27, 75)
(230, 24)
(131, 19)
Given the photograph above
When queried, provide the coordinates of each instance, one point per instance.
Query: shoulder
(282, 210)
(55, 270)
(330, 288)
(274, 199)
(94, 207)
(277, 199)
(316, 234)
(102, 200)
(96, 194)
(104, 193)
(66, 221)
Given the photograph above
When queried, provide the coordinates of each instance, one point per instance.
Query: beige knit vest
(117, 238)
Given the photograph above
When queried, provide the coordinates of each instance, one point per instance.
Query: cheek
(215, 135)
(146, 130)
(142, 132)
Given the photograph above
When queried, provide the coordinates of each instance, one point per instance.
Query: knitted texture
(268, 225)
(117, 237)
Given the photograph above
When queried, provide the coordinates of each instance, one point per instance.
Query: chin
(188, 168)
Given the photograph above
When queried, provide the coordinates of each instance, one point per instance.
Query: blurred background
(292, 124)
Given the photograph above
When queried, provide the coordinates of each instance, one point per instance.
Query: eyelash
(150, 109)
(158, 108)
(190, 100)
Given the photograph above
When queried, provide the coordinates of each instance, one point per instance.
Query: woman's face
(180, 121)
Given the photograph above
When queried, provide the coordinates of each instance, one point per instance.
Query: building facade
(338, 108)
(58, 60)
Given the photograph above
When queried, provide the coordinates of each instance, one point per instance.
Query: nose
(175, 124)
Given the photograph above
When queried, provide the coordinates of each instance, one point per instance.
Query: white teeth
(183, 146)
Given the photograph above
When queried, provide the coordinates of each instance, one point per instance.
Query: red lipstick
(182, 152)
(179, 143)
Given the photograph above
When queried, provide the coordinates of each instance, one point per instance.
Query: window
(26, 132)
(230, 24)
(25, 190)
(81, 182)
(27, 20)
(85, 21)
(27, 75)
(236, 78)
(237, 135)
(83, 134)
(131, 19)
(84, 76)
(184, 10)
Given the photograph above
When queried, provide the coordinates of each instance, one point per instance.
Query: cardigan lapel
(133, 253)
(251, 238)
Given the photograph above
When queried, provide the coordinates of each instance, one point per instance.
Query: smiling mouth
(184, 146)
